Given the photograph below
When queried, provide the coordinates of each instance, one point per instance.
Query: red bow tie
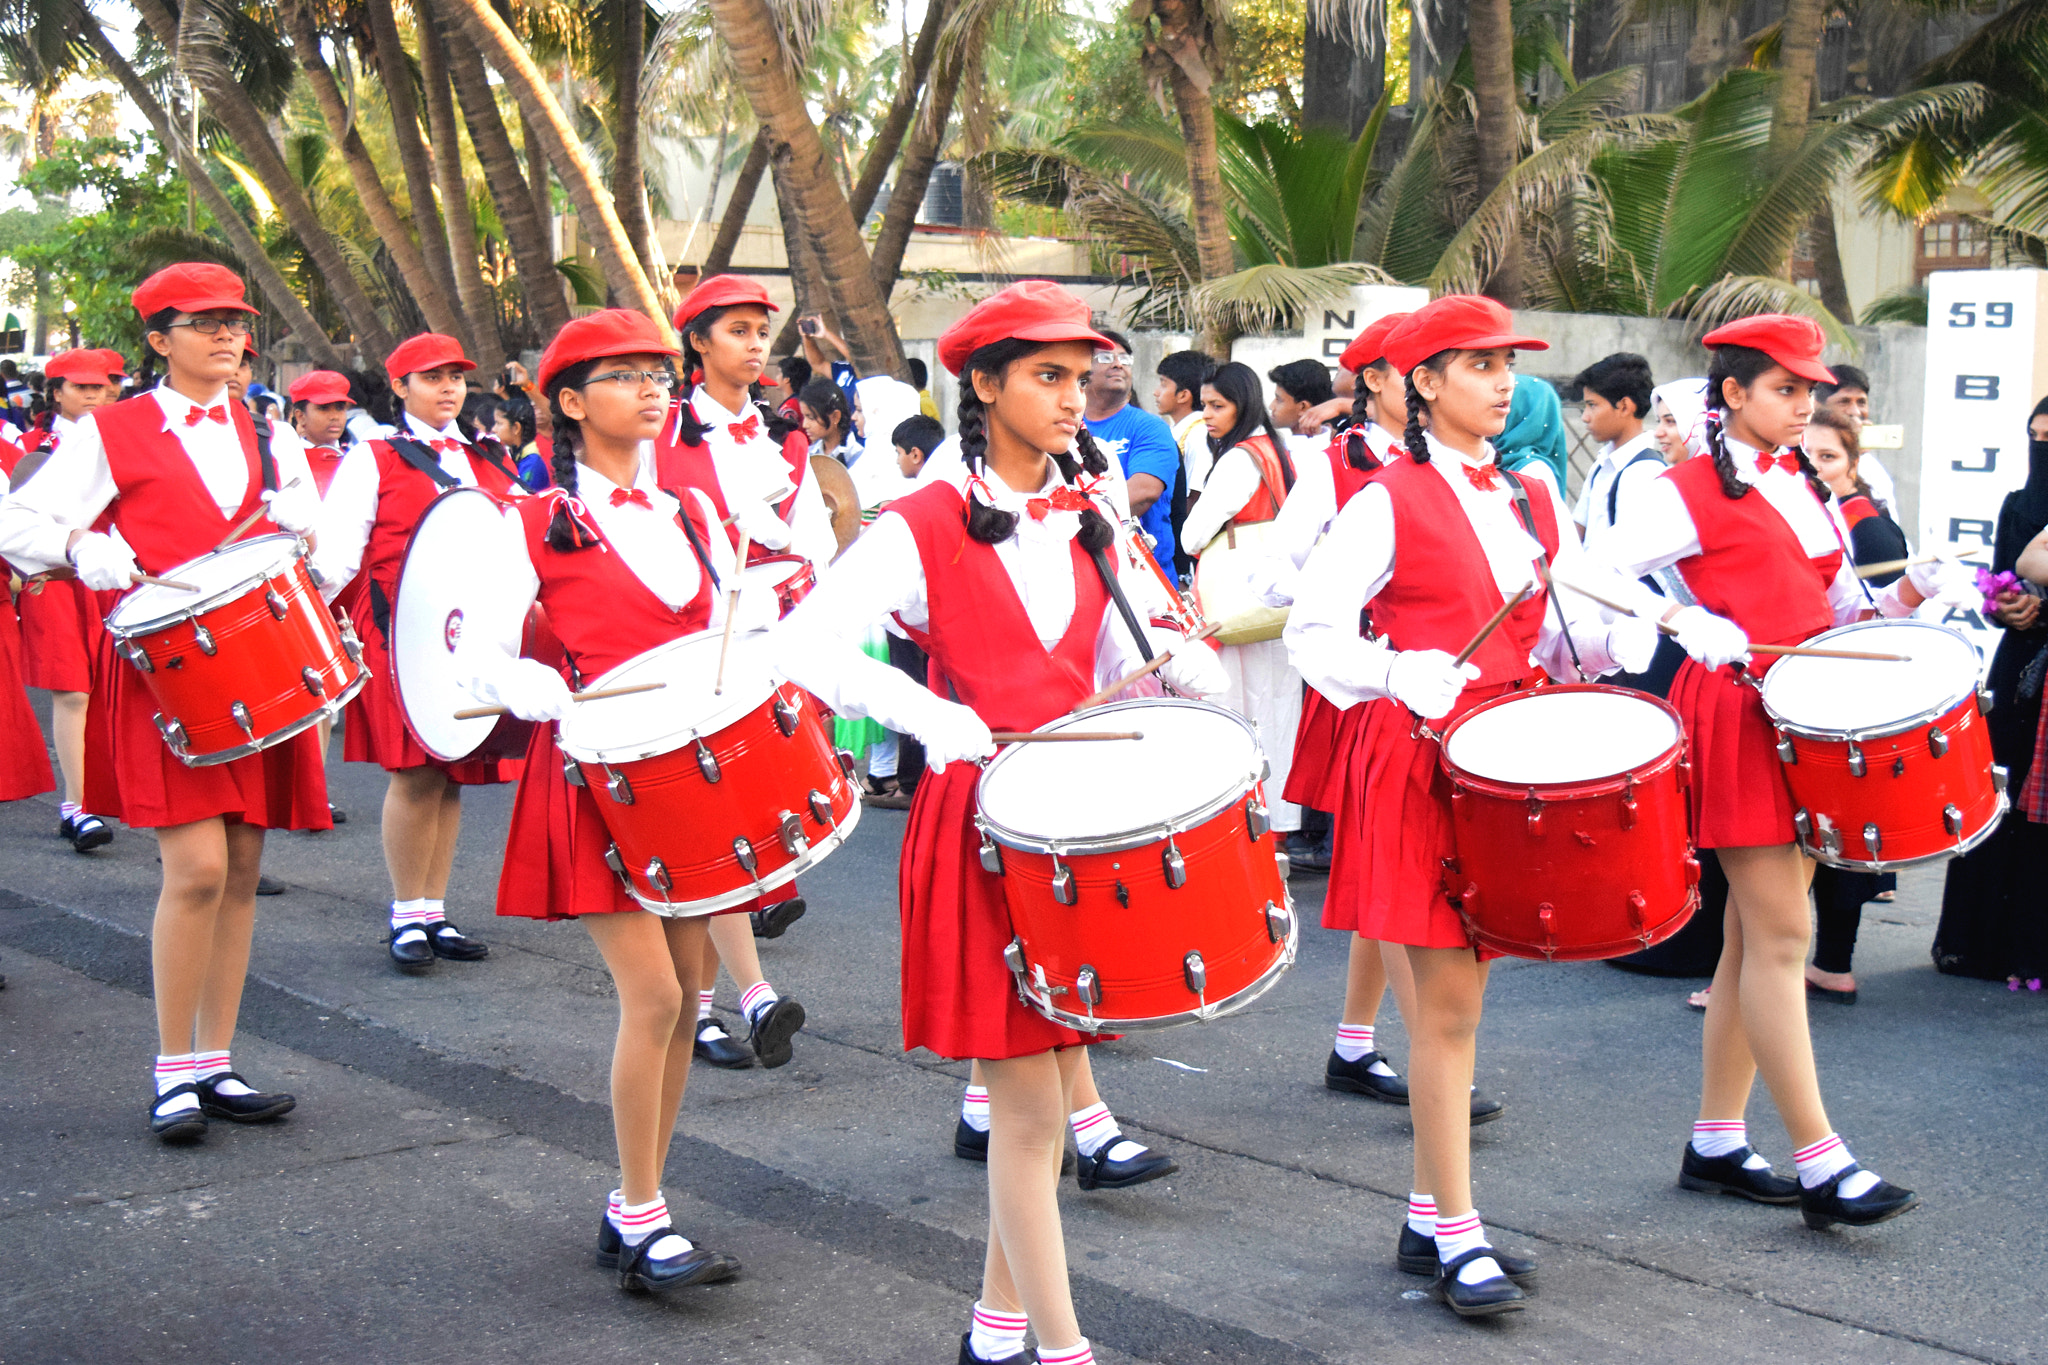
(637, 496)
(445, 446)
(745, 431)
(326, 452)
(194, 416)
(1787, 462)
(1485, 477)
(1060, 500)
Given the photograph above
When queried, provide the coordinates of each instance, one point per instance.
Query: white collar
(1615, 456)
(596, 490)
(701, 402)
(989, 488)
(175, 405)
(1438, 448)
(418, 428)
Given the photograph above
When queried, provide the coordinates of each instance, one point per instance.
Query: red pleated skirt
(61, 626)
(1322, 747)
(376, 731)
(1738, 782)
(131, 774)
(24, 758)
(958, 998)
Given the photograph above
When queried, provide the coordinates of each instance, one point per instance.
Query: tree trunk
(395, 75)
(600, 225)
(751, 31)
(1799, 36)
(895, 125)
(537, 179)
(211, 74)
(1341, 81)
(1827, 262)
(479, 304)
(920, 154)
(532, 248)
(369, 186)
(270, 282)
(629, 174)
(1497, 130)
(746, 186)
(1177, 52)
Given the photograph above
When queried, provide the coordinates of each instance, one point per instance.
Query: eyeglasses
(206, 327)
(1110, 358)
(661, 379)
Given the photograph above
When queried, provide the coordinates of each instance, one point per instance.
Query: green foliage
(1901, 305)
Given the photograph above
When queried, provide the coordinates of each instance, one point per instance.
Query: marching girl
(372, 504)
(992, 572)
(169, 473)
(319, 425)
(1434, 545)
(620, 566)
(1750, 532)
(24, 760)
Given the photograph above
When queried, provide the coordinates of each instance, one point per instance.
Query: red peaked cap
(718, 292)
(1455, 322)
(1371, 344)
(190, 287)
(1792, 341)
(615, 331)
(80, 365)
(427, 351)
(117, 364)
(1029, 310)
(319, 387)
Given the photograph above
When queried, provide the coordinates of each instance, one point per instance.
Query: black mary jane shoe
(650, 1274)
(723, 1051)
(451, 943)
(1357, 1078)
(338, 816)
(971, 1144)
(773, 921)
(182, 1126)
(1823, 1206)
(1492, 1296)
(608, 1243)
(88, 832)
(1027, 1356)
(1727, 1175)
(773, 1028)
(270, 886)
(1098, 1172)
(1416, 1255)
(1485, 1108)
(411, 955)
(256, 1107)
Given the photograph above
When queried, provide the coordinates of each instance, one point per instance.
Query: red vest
(678, 466)
(162, 507)
(1345, 477)
(1264, 504)
(402, 495)
(323, 461)
(598, 607)
(1751, 567)
(1442, 590)
(979, 635)
(10, 456)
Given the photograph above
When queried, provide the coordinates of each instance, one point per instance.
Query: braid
(566, 435)
(1724, 463)
(1092, 458)
(1821, 490)
(1418, 449)
(1095, 533)
(1358, 450)
(984, 523)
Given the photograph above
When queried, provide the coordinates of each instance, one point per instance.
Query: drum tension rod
(1175, 865)
(1937, 741)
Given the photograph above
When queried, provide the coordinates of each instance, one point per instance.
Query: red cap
(1029, 310)
(427, 351)
(80, 365)
(1371, 344)
(319, 387)
(117, 364)
(190, 287)
(1793, 341)
(249, 351)
(615, 331)
(1455, 322)
(718, 292)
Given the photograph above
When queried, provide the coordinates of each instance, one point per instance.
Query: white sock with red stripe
(1455, 1237)
(408, 916)
(974, 1109)
(173, 1071)
(1422, 1213)
(703, 1004)
(1095, 1128)
(1726, 1137)
(1355, 1041)
(1824, 1160)
(713, 1031)
(207, 1065)
(637, 1222)
(756, 998)
(1080, 1353)
(69, 810)
(436, 910)
(996, 1335)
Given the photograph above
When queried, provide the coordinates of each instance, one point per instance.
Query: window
(1952, 241)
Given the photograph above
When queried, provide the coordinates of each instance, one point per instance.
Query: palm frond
(1739, 296)
(1901, 305)
(1265, 297)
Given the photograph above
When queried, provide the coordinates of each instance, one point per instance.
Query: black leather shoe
(1727, 1175)
(1416, 1255)
(971, 1144)
(1494, 1295)
(638, 1270)
(186, 1125)
(450, 942)
(724, 1050)
(415, 954)
(254, 1108)
(773, 1028)
(1356, 1078)
(1306, 855)
(773, 921)
(339, 817)
(1823, 1206)
(270, 886)
(1485, 1108)
(1098, 1172)
(608, 1243)
(967, 1356)
(88, 832)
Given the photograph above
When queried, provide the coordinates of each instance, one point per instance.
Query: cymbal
(836, 485)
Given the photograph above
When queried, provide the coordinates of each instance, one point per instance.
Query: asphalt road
(434, 1196)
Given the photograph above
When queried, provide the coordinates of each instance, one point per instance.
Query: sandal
(883, 793)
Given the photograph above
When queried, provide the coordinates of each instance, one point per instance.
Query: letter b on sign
(1982, 387)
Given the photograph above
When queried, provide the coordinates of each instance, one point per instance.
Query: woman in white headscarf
(1678, 418)
(884, 402)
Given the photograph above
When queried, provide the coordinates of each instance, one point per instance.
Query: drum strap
(1123, 604)
(266, 464)
(1528, 520)
(697, 546)
(420, 456)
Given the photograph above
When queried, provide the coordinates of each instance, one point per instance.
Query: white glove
(104, 564)
(1946, 582)
(1195, 670)
(293, 509)
(528, 689)
(758, 522)
(1428, 681)
(952, 733)
(1711, 640)
(759, 607)
(1632, 643)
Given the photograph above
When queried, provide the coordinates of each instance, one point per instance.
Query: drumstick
(1895, 565)
(732, 607)
(65, 575)
(1469, 650)
(1060, 736)
(250, 520)
(1784, 651)
(1144, 671)
(595, 694)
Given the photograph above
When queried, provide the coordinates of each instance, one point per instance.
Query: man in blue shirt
(1139, 441)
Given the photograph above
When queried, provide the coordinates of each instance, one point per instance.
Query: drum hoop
(1564, 791)
(736, 709)
(1884, 729)
(326, 711)
(504, 505)
(1120, 841)
(220, 597)
(727, 900)
(1957, 849)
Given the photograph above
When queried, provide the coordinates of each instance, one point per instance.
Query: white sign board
(1328, 330)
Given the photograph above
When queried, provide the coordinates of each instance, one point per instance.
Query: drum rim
(1678, 751)
(326, 711)
(504, 506)
(725, 719)
(219, 597)
(728, 900)
(1121, 840)
(2000, 809)
(1925, 716)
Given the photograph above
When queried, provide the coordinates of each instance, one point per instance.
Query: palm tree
(479, 302)
(1186, 43)
(394, 73)
(1495, 127)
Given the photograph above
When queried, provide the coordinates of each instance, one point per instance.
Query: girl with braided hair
(994, 572)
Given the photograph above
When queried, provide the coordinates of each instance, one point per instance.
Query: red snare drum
(789, 577)
(1571, 812)
(1888, 763)
(1143, 882)
(710, 800)
(248, 660)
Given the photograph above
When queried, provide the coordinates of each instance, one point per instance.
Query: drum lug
(1937, 742)
(1628, 806)
(1637, 905)
(350, 643)
(134, 653)
(658, 878)
(1872, 840)
(1013, 958)
(313, 681)
(1535, 814)
(1830, 838)
(707, 762)
(203, 637)
(1547, 914)
(789, 827)
(620, 788)
(1194, 973)
(240, 712)
(1899, 766)
(744, 851)
(572, 772)
(613, 861)
(1802, 825)
(1285, 864)
(173, 733)
(276, 604)
(821, 807)
(1952, 820)
(1088, 986)
(1786, 753)
(1279, 922)
(1998, 778)
(785, 718)
(991, 856)
(1063, 889)
(1856, 763)
(1692, 870)
(1256, 820)
(845, 757)
(1176, 866)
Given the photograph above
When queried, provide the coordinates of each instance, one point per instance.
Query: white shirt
(755, 469)
(1614, 463)
(363, 428)
(1356, 560)
(1306, 516)
(1233, 481)
(77, 484)
(1191, 434)
(349, 511)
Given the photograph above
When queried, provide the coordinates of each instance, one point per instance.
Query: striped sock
(1455, 1237)
(1078, 1354)
(69, 810)
(637, 1222)
(409, 915)
(435, 910)
(173, 1071)
(996, 1335)
(1094, 1128)
(1824, 1160)
(1422, 1214)
(703, 1004)
(611, 1208)
(1719, 1137)
(1353, 1041)
(756, 998)
(207, 1065)
(974, 1109)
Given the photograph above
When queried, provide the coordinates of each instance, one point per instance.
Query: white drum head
(1192, 756)
(769, 576)
(1850, 695)
(1552, 736)
(451, 589)
(622, 729)
(215, 575)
